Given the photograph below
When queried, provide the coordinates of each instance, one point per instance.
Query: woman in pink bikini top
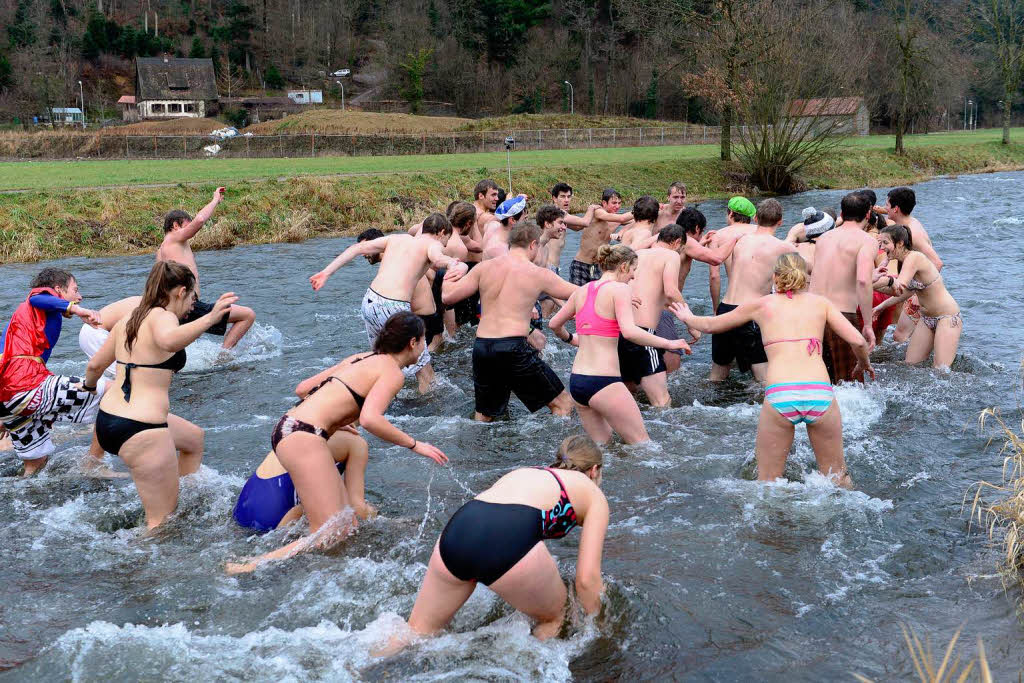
(604, 311)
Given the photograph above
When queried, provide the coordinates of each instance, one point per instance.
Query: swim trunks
(29, 415)
(581, 273)
(666, 329)
(887, 318)
(376, 310)
(637, 362)
(742, 344)
(509, 364)
(263, 503)
(840, 360)
(201, 308)
(544, 295)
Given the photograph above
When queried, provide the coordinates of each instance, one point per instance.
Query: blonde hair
(578, 453)
(790, 273)
(610, 258)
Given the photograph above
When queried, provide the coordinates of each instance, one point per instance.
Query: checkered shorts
(30, 415)
(581, 273)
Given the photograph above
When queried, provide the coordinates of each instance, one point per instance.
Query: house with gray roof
(169, 87)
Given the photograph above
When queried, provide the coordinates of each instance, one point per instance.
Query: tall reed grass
(928, 670)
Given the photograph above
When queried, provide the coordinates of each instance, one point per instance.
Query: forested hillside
(667, 59)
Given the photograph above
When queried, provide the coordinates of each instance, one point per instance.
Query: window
(174, 108)
(189, 107)
(157, 108)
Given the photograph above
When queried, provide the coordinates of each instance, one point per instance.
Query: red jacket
(26, 336)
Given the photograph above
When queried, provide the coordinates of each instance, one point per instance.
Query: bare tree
(1002, 24)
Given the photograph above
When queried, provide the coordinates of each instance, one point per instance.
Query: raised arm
(364, 248)
(453, 291)
(190, 230)
(373, 419)
(577, 223)
(170, 335)
(798, 233)
(629, 329)
(588, 560)
(621, 218)
(716, 324)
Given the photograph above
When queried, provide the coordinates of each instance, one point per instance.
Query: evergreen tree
(273, 78)
(197, 51)
(6, 74)
(21, 32)
(651, 105)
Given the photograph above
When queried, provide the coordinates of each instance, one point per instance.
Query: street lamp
(970, 111)
(341, 73)
(82, 93)
(572, 103)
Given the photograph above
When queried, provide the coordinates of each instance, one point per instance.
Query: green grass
(45, 175)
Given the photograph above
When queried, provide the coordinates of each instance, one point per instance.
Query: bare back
(179, 252)
(114, 312)
(649, 284)
(638, 236)
(835, 261)
(333, 406)
(801, 318)
(537, 488)
(752, 264)
(149, 386)
(509, 287)
(405, 261)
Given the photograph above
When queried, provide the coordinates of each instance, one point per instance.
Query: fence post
(641, 138)
(705, 133)
(481, 141)
(312, 144)
(184, 148)
(125, 146)
(590, 136)
(154, 145)
(663, 135)
(247, 148)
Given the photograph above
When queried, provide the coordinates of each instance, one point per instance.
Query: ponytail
(165, 277)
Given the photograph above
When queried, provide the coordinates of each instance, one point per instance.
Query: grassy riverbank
(54, 222)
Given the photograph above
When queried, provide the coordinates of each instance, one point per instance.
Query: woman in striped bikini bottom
(800, 401)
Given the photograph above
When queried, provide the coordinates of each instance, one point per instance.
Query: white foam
(260, 343)
(1008, 220)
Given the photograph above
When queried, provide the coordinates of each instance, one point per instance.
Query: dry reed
(949, 669)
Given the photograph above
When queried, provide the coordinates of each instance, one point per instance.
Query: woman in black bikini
(497, 539)
(132, 421)
(358, 389)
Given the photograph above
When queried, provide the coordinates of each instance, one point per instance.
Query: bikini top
(918, 286)
(560, 519)
(358, 398)
(175, 363)
(813, 343)
(589, 322)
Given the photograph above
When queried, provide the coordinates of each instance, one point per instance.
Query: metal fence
(109, 146)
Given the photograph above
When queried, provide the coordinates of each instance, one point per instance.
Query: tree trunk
(728, 112)
(1007, 110)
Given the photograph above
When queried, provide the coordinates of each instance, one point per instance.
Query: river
(710, 575)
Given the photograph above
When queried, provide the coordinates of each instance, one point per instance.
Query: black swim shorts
(201, 308)
(742, 344)
(509, 364)
(467, 310)
(637, 362)
(667, 330)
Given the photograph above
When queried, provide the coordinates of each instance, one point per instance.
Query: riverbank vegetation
(51, 224)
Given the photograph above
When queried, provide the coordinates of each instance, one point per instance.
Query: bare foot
(234, 568)
(5, 444)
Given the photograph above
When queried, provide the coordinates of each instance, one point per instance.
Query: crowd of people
(801, 314)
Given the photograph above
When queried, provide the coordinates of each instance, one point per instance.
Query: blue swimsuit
(264, 502)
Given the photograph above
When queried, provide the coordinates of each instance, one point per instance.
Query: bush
(236, 117)
(274, 80)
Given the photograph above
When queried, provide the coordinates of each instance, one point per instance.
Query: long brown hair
(165, 277)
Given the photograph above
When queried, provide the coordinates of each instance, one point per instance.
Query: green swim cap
(742, 206)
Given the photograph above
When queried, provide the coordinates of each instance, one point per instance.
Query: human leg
(188, 440)
(760, 371)
(241, 319)
(656, 388)
(534, 587)
(771, 448)
(826, 437)
(947, 340)
(616, 405)
(310, 463)
(353, 450)
(425, 378)
(153, 463)
(920, 347)
(440, 597)
(594, 424)
(561, 405)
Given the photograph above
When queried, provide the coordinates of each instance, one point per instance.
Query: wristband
(414, 443)
(91, 389)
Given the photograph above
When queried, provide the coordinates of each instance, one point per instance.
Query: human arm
(49, 302)
(557, 322)
(621, 218)
(190, 230)
(712, 256)
(415, 229)
(555, 286)
(588, 559)
(797, 233)
(923, 244)
(364, 248)
(865, 286)
(630, 330)
(577, 223)
(716, 324)
(715, 285)
(99, 362)
(170, 335)
(373, 419)
(848, 333)
(453, 291)
(670, 280)
(439, 259)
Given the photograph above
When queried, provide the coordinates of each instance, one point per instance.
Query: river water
(710, 576)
